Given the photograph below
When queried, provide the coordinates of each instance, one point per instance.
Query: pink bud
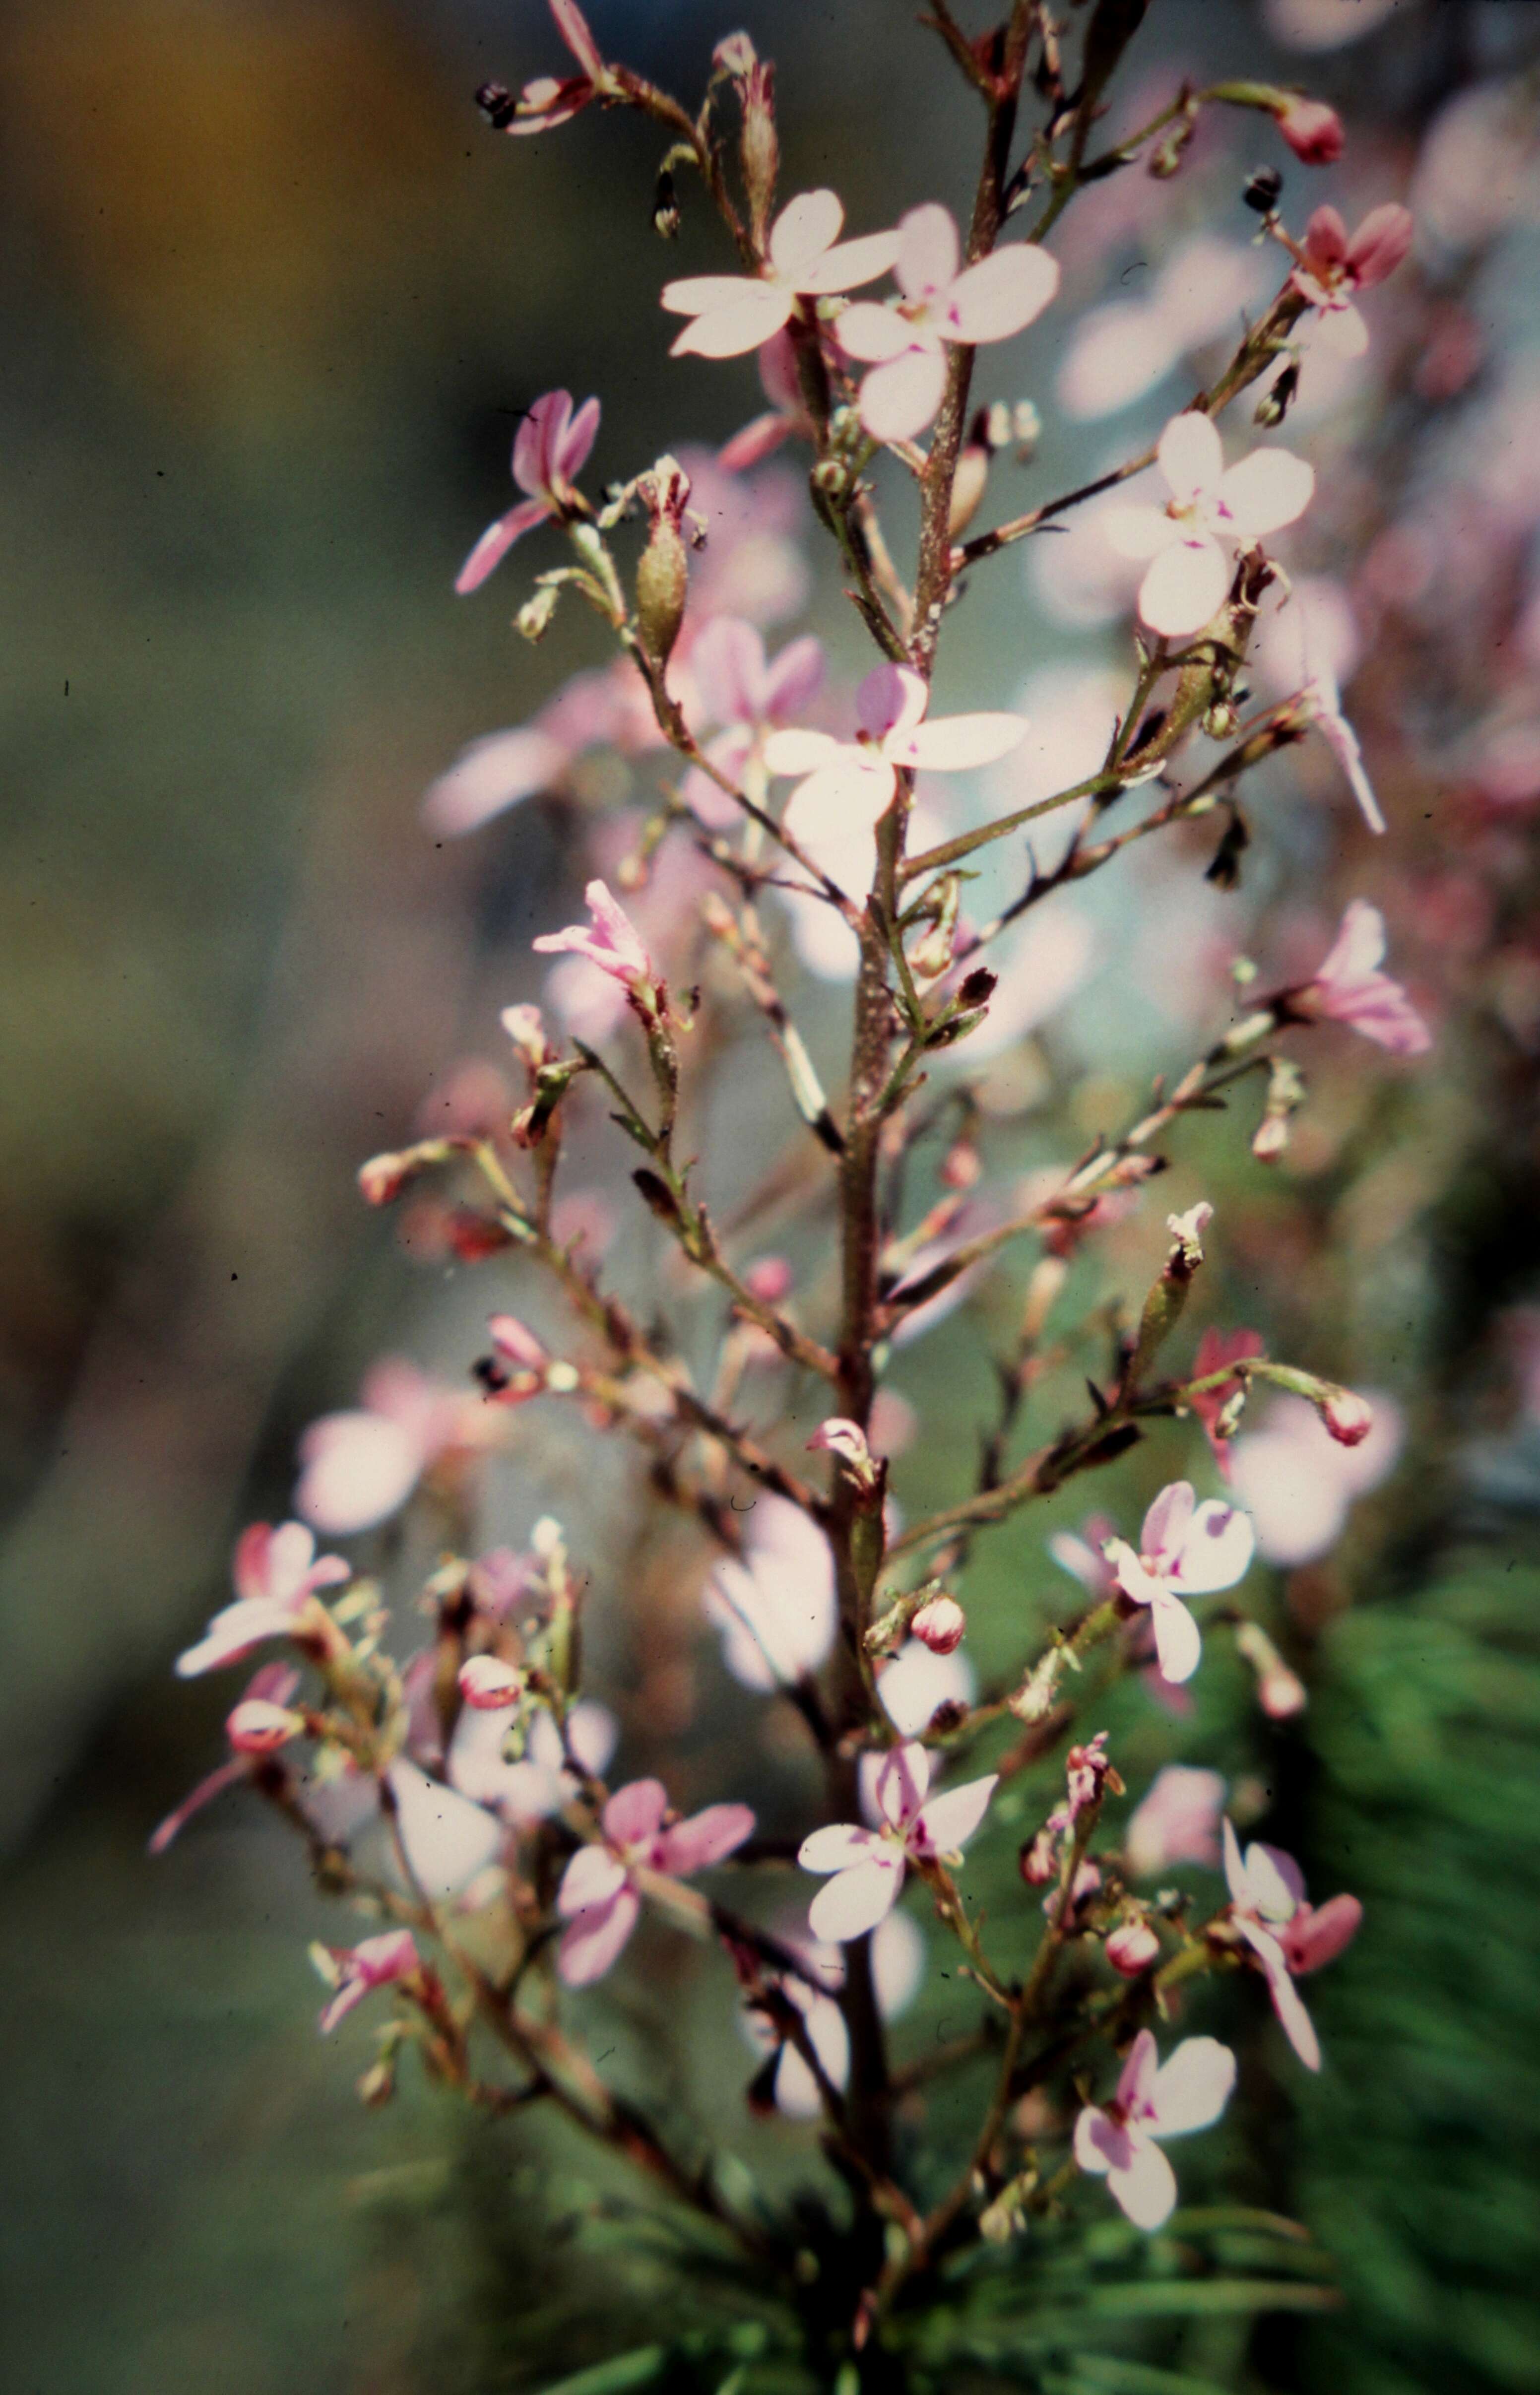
(489, 1684)
(521, 1347)
(1281, 1693)
(940, 1624)
(768, 1279)
(382, 1179)
(1312, 130)
(962, 1167)
(1039, 1860)
(734, 54)
(1348, 1417)
(1270, 1138)
(1131, 1948)
(848, 1441)
(258, 1727)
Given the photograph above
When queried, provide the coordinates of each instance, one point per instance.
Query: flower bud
(1037, 1861)
(532, 620)
(734, 54)
(377, 2085)
(1166, 156)
(1312, 130)
(1348, 1417)
(258, 1727)
(760, 146)
(848, 1441)
(490, 1685)
(962, 1167)
(1131, 1948)
(526, 1027)
(665, 210)
(663, 575)
(940, 1624)
(1270, 1138)
(1277, 400)
(383, 1177)
(768, 1279)
(1279, 1691)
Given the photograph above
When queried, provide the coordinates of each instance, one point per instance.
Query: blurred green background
(271, 296)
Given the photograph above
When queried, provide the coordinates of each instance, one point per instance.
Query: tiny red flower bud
(1348, 1417)
(1313, 131)
(768, 1279)
(489, 1684)
(940, 1624)
(1131, 1948)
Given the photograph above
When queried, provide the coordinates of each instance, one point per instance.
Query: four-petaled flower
(735, 312)
(614, 943)
(1184, 1550)
(1154, 2100)
(852, 781)
(1288, 1936)
(905, 346)
(1178, 1822)
(1349, 987)
(748, 697)
(597, 1898)
(551, 446)
(1189, 572)
(551, 99)
(1333, 268)
(356, 1971)
(276, 1575)
(867, 1865)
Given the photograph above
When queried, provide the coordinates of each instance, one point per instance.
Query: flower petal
(572, 449)
(1177, 1642)
(359, 1469)
(806, 228)
(593, 1939)
(706, 1838)
(840, 1845)
(929, 252)
(954, 744)
(949, 1821)
(1275, 1885)
(1002, 294)
(1140, 532)
(731, 330)
(1288, 2004)
(1166, 1523)
(1146, 2188)
(697, 294)
(1100, 2142)
(873, 333)
(800, 752)
(1267, 490)
(899, 400)
(1216, 1550)
(1184, 586)
(635, 1812)
(795, 678)
(902, 1778)
(891, 699)
(1190, 455)
(540, 436)
(854, 1900)
(851, 263)
(594, 1876)
(495, 542)
(1317, 1935)
(573, 27)
(1340, 332)
(847, 795)
(1191, 2087)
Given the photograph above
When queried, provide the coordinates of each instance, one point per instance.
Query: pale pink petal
(697, 294)
(1340, 331)
(495, 542)
(794, 678)
(847, 795)
(728, 332)
(706, 1838)
(593, 1939)
(1267, 490)
(1131, 1575)
(1216, 1549)
(800, 752)
(635, 1812)
(955, 744)
(947, 1822)
(729, 752)
(448, 1839)
(1294, 2020)
(572, 450)
(804, 229)
(891, 699)
(1191, 2088)
(492, 774)
(929, 252)
(853, 1902)
(1359, 949)
(227, 1776)
(234, 1632)
(1138, 2076)
(1166, 1525)
(1326, 239)
(545, 104)
(1146, 2188)
(1380, 243)
(898, 401)
(1101, 2143)
(758, 440)
(1275, 1885)
(1177, 1642)
(727, 667)
(1184, 588)
(1343, 741)
(852, 262)
(289, 1552)
(902, 1778)
(1140, 532)
(1316, 1937)
(873, 333)
(1176, 1822)
(573, 27)
(1002, 294)
(1191, 456)
(359, 1469)
(537, 441)
(592, 1877)
(838, 1846)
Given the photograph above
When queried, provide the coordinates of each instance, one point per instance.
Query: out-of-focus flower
(786, 417)
(613, 943)
(1184, 1550)
(1177, 1822)
(356, 1971)
(489, 1684)
(1215, 1349)
(917, 1680)
(1288, 1936)
(542, 1782)
(1349, 987)
(267, 1693)
(1154, 2100)
(855, 780)
(1041, 968)
(776, 1607)
(733, 313)
(1131, 1948)
(905, 346)
(1298, 1482)
(259, 1726)
(276, 1573)
(1324, 24)
(867, 1866)
(597, 1898)
(1120, 352)
(1190, 572)
(549, 447)
(449, 1839)
(360, 1466)
(748, 697)
(898, 1963)
(1476, 174)
(1335, 267)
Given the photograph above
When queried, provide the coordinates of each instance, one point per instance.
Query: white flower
(1210, 504)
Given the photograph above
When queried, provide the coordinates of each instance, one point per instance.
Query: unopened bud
(1312, 130)
(663, 575)
(498, 105)
(258, 1727)
(512, 1340)
(940, 1624)
(848, 1441)
(1277, 400)
(1131, 1948)
(1348, 1417)
(489, 1684)
(962, 1167)
(665, 207)
(1279, 1691)
(971, 479)
(768, 1279)
(526, 1027)
(532, 620)
(1037, 1861)
(760, 146)
(1270, 1138)
(734, 54)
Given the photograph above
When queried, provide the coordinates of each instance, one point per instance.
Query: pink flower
(1312, 130)
(598, 1899)
(1190, 572)
(748, 697)
(549, 100)
(549, 447)
(1349, 987)
(1185, 1549)
(358, 1971)
(854, 780)
(1154, 2100)
(787, 414)
(867, 1865)
(360, 1466)
(541, 1782)
(1215, 1349)
(733, 313)
(776, 1607)
(269, 1691)
(1288, 1936)
(1333, 268)
(489, 1684)
(940, 1624)
(905, 344)
(1178, 1822)
(614, 944)
(276, 1574)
